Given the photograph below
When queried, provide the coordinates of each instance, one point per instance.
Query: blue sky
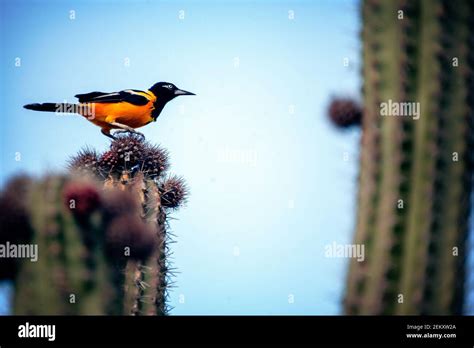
(269, 183)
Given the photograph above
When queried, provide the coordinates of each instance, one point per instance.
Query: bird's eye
(168, 86)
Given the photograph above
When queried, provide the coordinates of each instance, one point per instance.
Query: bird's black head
(166, 91)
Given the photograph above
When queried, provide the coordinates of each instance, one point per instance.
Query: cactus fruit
(129, 151)
(416, 172)
(85, 197)
(155, 161)
(85, 162)
(344, 112)
(173, 192)
(108, 162)
(101, 233)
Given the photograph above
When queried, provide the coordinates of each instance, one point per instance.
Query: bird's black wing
(86, 97)
(130, 96)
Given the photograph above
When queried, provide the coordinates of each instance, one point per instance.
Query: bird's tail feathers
(53, 107)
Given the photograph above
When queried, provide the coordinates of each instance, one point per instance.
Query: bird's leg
(124, 128)
(106, 132)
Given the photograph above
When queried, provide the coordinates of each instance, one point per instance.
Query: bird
(123, 111)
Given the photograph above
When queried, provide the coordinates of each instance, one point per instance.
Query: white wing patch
(106, 95)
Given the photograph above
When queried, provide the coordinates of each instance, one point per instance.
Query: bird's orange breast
(134, 116)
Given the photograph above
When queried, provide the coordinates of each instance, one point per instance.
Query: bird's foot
(131, 131)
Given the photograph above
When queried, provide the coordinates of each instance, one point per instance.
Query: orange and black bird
(125, 110)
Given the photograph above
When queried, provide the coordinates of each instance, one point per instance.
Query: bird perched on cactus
(125, 110)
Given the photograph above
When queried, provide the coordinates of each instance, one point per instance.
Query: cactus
(101, 232)
(416, 174)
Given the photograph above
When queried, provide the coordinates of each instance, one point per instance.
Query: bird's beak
(181, 92)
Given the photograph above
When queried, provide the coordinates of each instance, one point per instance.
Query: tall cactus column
(416, 172)
(133, 165)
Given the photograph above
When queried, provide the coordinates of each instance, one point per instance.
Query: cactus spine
(416, 175)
